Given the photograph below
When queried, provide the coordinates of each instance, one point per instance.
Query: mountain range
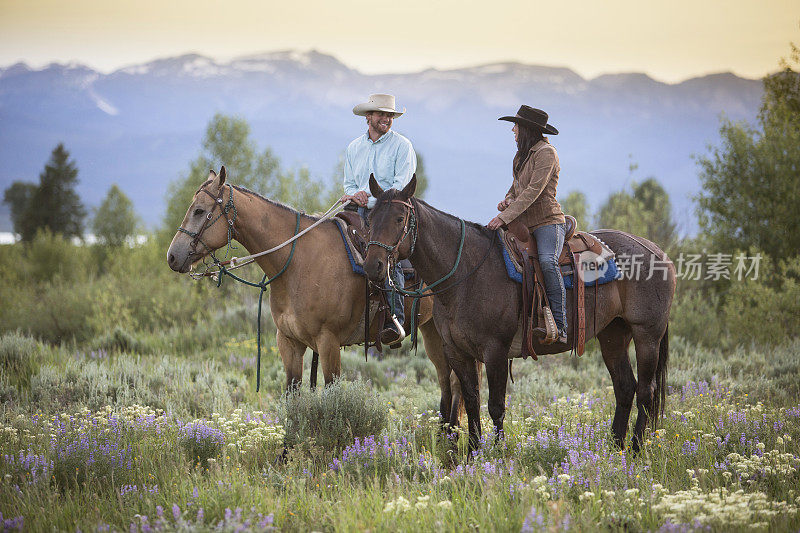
(140, 126)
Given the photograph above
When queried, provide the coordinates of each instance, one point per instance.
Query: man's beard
(377, 126)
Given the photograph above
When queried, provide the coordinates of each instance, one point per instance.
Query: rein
(238, 262)
(428, 291)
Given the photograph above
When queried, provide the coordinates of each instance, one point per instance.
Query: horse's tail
(660, 396)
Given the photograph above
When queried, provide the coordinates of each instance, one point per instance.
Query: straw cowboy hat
(378, 102)
(533, 118)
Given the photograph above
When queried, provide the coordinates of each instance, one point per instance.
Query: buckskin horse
(318, 301)
(477, 313)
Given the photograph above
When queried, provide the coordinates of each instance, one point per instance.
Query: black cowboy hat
(532, 118)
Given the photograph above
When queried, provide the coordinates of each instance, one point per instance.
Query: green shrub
(50, 255)
(694, 316)
(765, 310)
(54, 311)
(184, 387)
(119, 340)
(354, 367)
(19, 358)
(334, 416)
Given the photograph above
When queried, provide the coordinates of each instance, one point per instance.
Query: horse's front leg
(464, 367)
(495, 356)
(330, 355)
(291, 352)
(435, 352)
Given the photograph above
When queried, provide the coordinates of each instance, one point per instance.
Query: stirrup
(399, 330)
(550, 323)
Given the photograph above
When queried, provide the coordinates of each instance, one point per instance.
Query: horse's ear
(408, 190)
(211, 175)
(374, 188)
(222, 176)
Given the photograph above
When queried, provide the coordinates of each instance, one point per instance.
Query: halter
(409, 226)
(207, 223)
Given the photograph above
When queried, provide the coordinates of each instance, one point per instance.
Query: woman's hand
(495, 223)
(502, 205)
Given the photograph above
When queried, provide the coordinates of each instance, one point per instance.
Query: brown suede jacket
(533, 193)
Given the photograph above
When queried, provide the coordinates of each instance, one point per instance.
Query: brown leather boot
(389, 335)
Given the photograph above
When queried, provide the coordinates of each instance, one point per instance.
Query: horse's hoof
(282, 457)
(635, 446)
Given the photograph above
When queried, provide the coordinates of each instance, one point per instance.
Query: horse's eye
(198, 212)
(400, 219)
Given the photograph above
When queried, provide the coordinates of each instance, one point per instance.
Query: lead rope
(263, 286)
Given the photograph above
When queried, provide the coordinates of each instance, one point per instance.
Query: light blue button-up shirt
(391, 159)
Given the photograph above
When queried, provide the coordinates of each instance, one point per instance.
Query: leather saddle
(537, 318)
(357, 232)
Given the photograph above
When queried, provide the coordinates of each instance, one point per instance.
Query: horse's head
(206, 226)
(393, 230)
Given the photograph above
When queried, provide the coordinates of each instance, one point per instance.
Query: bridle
(410, 227)
(208, 222)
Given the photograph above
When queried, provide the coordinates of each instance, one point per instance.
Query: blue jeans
(550, 241)
(395, 298)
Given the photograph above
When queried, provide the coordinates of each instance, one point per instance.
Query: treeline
(738, 277)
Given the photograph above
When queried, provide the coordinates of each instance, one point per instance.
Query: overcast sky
(669, 40)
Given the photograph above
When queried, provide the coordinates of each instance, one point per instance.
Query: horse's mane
(276, 203)
(391, 194)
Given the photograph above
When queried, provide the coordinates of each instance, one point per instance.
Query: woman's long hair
(526, 138)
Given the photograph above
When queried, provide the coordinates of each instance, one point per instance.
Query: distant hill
(140, 126)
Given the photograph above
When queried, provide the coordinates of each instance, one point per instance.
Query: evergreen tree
(53, 205)
(115, 219)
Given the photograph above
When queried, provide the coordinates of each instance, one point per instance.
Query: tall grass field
(164, 431)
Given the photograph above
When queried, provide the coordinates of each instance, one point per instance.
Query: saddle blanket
(607, 272)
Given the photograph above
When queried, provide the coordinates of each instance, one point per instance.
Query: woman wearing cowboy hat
(532, 199)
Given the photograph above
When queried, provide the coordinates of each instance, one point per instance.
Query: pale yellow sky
(670, 40)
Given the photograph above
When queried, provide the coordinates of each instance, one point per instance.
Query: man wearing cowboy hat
(391, 159)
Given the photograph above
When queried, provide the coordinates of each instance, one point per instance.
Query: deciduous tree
(115, 220)
(575, 204)
(645, 211)
(750, 195)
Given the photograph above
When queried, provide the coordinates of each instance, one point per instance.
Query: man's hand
(360, 198)
(502, 205)
(495, 223)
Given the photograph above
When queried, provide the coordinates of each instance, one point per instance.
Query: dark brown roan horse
(318, 301)
(478, 317)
